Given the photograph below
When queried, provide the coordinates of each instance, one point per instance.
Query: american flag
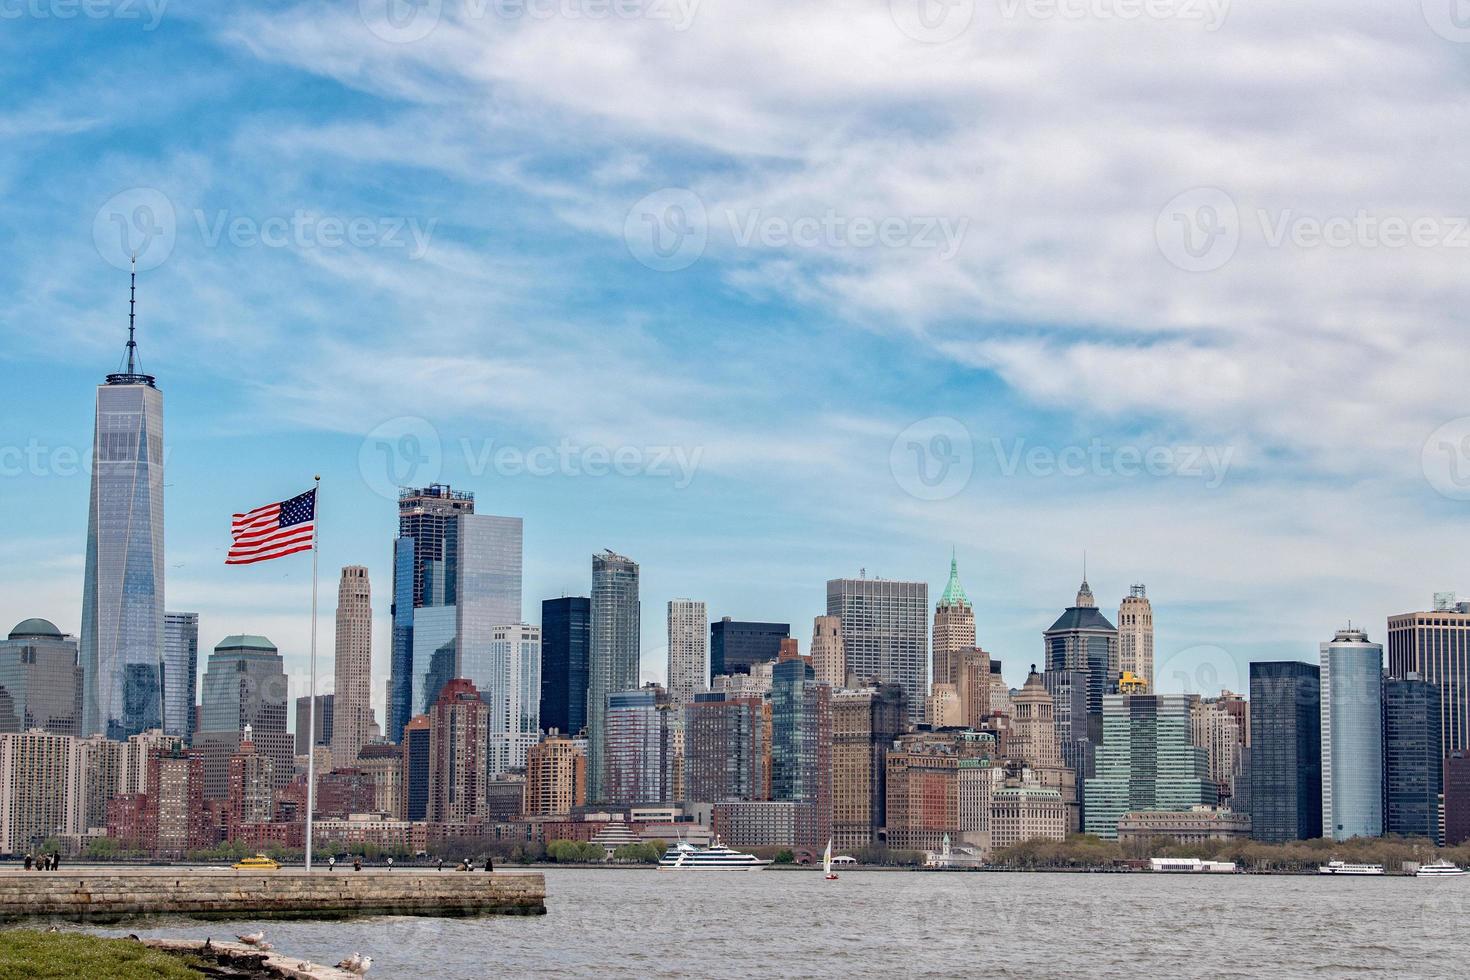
(273, 531)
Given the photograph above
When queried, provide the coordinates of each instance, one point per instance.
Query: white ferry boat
(683, 856)
(1439, 869)
(1191, 866)
(1345, 868)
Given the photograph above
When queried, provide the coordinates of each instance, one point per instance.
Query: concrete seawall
(108, 895)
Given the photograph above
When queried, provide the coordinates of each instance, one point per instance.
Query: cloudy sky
(761, 293)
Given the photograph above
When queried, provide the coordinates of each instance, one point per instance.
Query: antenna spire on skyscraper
(132, 313)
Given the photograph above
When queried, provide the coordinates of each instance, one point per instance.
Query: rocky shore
(236, 961)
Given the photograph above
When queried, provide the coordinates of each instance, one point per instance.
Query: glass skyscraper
(180, 673)
(566, 630)
(1352, 736)
(735, 647)
(1413, 759)
(1286, 751)
(487, 594)
(1083, 640)
(40, 681)
(1147, 761)
(424, 568)
(1436, 646)
(122, 638)
(244, 684)
(613, 655)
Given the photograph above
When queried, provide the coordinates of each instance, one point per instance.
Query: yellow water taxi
(258, 863)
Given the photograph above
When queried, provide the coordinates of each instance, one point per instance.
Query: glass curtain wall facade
(613, 656)
(735, 646)
(1286, 751)
(1413, 758)
(180, 673)
(122, 637)
(1352, 736)
(1436, 646)
(885, 633)
(566, 632)
(1147, 761)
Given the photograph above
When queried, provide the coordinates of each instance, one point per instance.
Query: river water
(634, 923)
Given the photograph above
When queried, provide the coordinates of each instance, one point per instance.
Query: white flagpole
(311, 697)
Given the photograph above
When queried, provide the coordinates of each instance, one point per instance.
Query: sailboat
(827, 861)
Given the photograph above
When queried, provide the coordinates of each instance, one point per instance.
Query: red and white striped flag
(273, 531)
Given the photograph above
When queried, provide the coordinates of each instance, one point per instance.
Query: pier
(102, 895)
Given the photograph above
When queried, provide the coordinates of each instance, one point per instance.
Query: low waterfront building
(1025, 810)
(1197, 825)
(763, 823)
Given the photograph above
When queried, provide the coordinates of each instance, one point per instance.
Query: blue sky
(657, 239)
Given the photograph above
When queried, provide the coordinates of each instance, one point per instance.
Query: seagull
(252, 938)
(264, 947)
(356, 963)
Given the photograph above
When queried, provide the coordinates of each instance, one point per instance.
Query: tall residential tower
(613, 656)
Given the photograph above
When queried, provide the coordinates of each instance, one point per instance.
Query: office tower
(688, 650)
(885, 627)
(487, 586)
(556, 777)
(828, 657)
(1068, 690)
(512, 689)
(435, 658)
(252, 786)
(1352, 736)
(1033, 725)
(724, 748)
(244, 684)
(1436, 646)
(325, 713)
(424, 567)
(1286, 751)
(1083, 640)
(737, 647)
(1221, 726)
(415, 745)
(1413, 760)
(457, 738)
(180, 672)
(352, 704)
(801, 747)
(612, 658)
(865, 721)
(1136, 636)
(972, 676)
(566, 632)
(1147, 761)
(34, 776)
(1456, 798)
(954, 627)
(640, 746)
(40, 680)
(122, 594)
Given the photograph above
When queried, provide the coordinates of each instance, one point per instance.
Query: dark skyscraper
(425, 561)
(122, 639)
(1413, 762)
(1083, 640)
(801, 747)
(1286, 751)
(416, 736)
(1436, 646)
(566, 625)
(734, 647)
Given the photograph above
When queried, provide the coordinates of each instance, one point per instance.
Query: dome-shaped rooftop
(36, 628)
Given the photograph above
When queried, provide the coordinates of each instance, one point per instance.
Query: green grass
(28, 954)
